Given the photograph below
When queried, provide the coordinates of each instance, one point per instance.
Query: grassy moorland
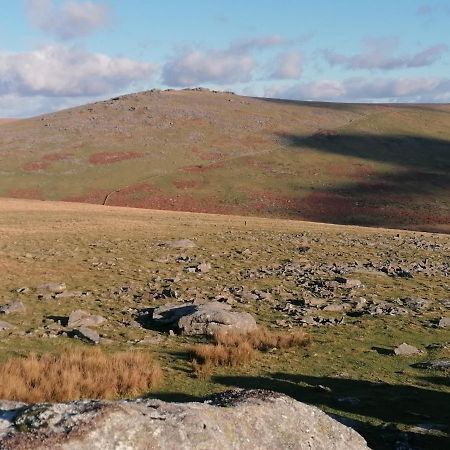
(376, 165)
(357, 292)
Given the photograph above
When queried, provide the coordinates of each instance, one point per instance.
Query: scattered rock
(440, 364)
(416, 303)
(5, 326)
(349, 283)
(444, 322)
(87, 334)
(180, 244)
(251, 419)
(203, 267)
(80, 318)
(13, 307)
(23, 290)
(207, 318)
(51, 288)
(406, 350)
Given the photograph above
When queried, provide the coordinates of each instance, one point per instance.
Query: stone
(440, 364)
(349, 283)
(5, 326)
(12, 308)
(204, 319)
(250, 419)
(416, 303)
(52, 288)
(203, 267)
(334, 307)
(406, 350)
(88, 334)
(444, 322)
(80, 318)
(180, 244)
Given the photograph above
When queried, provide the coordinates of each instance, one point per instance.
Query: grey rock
(52, 288)
(203, 267)
(88, 334)
(334, 307)
(180, 244)
(406, 350)
(440, 364)
(80, 318)
(444, 322)
(416, 303)
(5, 326)
(206, 318)
(13, 307)
(170, 314)
(254, 420)
(349, 283)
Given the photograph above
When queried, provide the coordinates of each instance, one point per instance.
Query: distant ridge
(208, 151)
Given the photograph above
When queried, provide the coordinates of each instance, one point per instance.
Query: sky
(56, 54)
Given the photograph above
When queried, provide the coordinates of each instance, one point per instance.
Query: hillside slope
(381, 165)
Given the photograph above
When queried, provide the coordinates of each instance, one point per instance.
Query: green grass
(261, 147)
(102, 249)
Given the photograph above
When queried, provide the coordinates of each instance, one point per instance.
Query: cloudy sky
(59, 53)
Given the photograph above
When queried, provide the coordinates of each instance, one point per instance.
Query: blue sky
(59, 53)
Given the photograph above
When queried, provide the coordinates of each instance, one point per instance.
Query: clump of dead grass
(233, 348)
(263, 339)
(76, 374)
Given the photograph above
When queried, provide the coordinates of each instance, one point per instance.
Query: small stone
(180, 244)
(440, 364)
(14, 307)
(406, 350)
(88, 334)
(335, 307)
(444, 322)
(204, 267)
(52, 288)
(5, 326)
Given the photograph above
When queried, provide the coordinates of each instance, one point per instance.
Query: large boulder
(207, 318)
(235, 420)
(80, 318)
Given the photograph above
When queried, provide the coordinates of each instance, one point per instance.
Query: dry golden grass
(263, 339)
(234, 349)
(76, 374)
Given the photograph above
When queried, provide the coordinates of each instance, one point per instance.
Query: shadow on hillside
(386, 404)
(410, 196)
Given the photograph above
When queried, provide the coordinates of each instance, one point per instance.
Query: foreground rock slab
(250, 419)
(204, 319)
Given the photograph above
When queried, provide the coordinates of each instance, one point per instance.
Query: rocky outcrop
(251, 419)
(207, 318)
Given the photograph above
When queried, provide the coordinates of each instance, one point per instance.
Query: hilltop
(205, 151)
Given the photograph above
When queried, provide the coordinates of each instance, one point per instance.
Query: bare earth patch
(35, 166)
(113, 157)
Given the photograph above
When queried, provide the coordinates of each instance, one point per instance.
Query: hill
(197, 150)
(358, 292)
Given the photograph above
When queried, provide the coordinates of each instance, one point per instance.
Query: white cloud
(287, 66)
(191, 67)
(58, 71)
(420, 89)
(234, 64)
(70, 20)
(380, 54)
(257, 43)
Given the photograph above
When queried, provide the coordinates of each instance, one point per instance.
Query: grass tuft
(235, 349)
(77, 374)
